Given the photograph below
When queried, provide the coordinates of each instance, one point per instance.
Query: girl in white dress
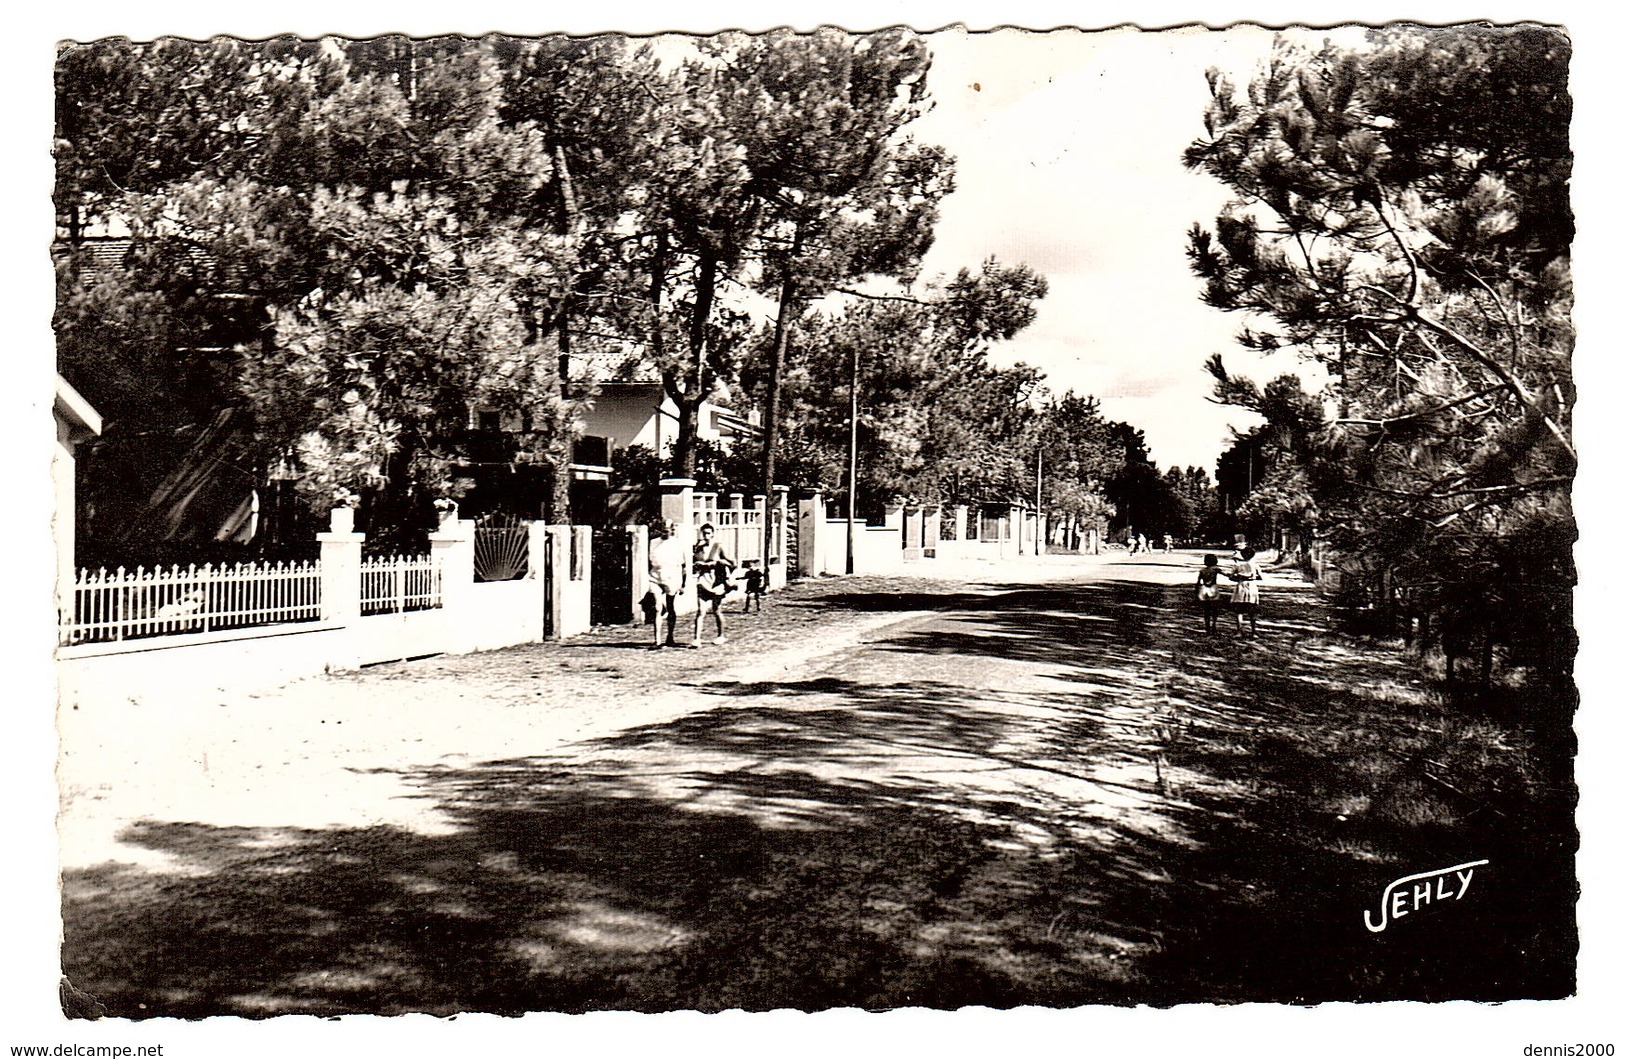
(1246, 574)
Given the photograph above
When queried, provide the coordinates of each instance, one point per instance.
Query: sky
(1069, 147)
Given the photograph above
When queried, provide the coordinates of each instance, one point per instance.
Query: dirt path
(321, 752)
(1044, 787)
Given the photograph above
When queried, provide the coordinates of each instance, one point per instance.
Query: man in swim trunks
(713, 567)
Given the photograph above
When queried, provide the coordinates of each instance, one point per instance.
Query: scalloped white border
(30, 932)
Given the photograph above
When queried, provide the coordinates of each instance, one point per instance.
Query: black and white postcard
(598, 531)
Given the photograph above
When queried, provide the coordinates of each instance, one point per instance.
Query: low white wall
(974, 549)
(168, 667)
(392, 637)
(481, 616)
(501, 614)
(879, 549)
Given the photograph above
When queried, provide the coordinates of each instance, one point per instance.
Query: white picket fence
(739, 529)
(394, 584)
(129, 604)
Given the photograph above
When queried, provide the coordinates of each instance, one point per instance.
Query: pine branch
(1411, 300)
(1415, 312)
(1486, 491)
(1424, 413)
(1396, 299)
(881, 297)
(1391, 354)
(1309, 263)
(1500, 305)
(1495, 368)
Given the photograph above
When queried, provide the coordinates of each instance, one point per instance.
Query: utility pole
(1038, 503)
(775, 375)
(852, 467)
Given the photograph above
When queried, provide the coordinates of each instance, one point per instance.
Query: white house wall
(626, 414)
(76, 421)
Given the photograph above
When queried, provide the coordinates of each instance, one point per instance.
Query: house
(203, 496)
(76, 421)
(630, 407)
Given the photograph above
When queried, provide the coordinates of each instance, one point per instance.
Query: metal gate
(792, 546)
(611, 575)
(549, 575)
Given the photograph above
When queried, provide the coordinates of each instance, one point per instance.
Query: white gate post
(341, 568)
(570, 577)
(581, 574)
(810, 535)
(639, 558)
(536, 576)
(341, 585)
(451, 546)
(774, 513)
(913, 532)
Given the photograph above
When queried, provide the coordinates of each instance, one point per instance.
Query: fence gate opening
(611, 575)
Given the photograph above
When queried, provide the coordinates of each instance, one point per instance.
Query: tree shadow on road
(1171, 818)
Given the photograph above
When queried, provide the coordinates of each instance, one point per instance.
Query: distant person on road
(713, 570)
(1207, 591)
(1142, 544)
(1167, 544)
(668, 577)
(1246, 574)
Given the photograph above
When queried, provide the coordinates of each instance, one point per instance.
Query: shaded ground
(884, 792)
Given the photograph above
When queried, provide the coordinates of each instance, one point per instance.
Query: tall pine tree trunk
(788, 296)
(562, 451)
(688, 399)
(770, 408)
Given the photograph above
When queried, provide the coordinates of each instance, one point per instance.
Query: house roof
(612, 364)
(75, 410)
(98, 256)
(732, 424)
(108, 255)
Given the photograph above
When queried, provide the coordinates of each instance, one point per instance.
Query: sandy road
(330, 751)
(1027, 784)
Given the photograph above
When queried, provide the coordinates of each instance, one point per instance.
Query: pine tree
(367, 204)
(846, 193)
(1402, 216)
(936, 421)
(594, 100)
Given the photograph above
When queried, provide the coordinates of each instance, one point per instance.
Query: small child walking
(1207, 591)
(754, 580)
